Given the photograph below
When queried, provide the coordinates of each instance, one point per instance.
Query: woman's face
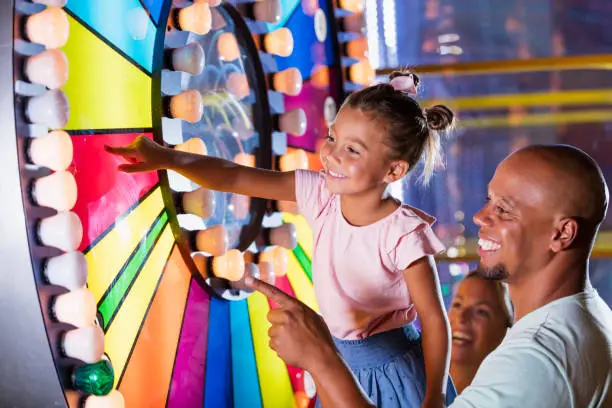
(478, 321)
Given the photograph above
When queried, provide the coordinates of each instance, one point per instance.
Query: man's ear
(397, 170)
(565, 234)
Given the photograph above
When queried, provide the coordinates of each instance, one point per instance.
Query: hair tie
(404, 83)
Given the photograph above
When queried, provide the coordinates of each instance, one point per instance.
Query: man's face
(516, 223)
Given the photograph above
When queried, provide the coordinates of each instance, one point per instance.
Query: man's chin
(497, 272)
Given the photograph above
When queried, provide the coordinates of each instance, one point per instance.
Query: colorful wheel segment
(170, 338)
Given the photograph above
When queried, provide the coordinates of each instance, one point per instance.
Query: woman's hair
(503, 294)
(413, 133)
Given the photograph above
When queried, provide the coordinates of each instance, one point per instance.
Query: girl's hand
(143, 154)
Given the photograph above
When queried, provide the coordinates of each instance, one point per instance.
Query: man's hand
(298, 334)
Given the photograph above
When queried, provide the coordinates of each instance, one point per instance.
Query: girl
(372, 260)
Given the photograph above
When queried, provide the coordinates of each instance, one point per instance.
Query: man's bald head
(576, 182)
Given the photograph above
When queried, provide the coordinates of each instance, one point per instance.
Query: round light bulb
(57, 191)
(195, 18)
(288, 81)
(49, 27)
(85, 344)
(355, 6)
(309, 385)
(238, 85)
(293, 122)
(284, 235)
(77, 307)
(227, 47)
(68, 270)
(53, 150)
(63, 231)
(187, 106)
(309, 7)
(269, 11)
(266, 272)
(357, 48)
(279, 42)
(241, 206)
(50, 109)
(320, 77)
(189, 58)
(354, 23)
(277, 256)
(51, 3)
(229, 266)
(200, 202)
(193, 145)
(213, 240)
(49, 68)
(113, 400)
(329, 110)
(245, 159)
(243, 127)
(250, 270)
(294, 160)
(362, 73)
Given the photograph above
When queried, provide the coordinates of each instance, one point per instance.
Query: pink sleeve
(414, 245)
(310, 193)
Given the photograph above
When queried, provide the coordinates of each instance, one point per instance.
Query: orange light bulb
(293, 122)
(227, 47)
(294, 160)
(279, 42)
(213, 240)
(362, 73)
(288, 81)
(355, 6)
(238, 85)
(200, 202)
(245, 159)
(357, 48)
(187, 106)
(193, 145)
(277, 256)
(196, 18)
(229, 266)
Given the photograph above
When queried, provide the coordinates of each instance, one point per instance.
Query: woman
(480, 315)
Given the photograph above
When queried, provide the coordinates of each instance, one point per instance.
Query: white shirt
(559, 355)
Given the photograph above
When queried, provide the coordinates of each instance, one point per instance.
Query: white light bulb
(85, 344)
(50, 109)
(269, 11)
(57, 190)
(293, 122)
(77, 307)
(52, 3)
(200, 202)
(49, 68)
(50, 27)
(63, 231)
(53, 150)
(189, 58)
(114, 399)
(68, 270)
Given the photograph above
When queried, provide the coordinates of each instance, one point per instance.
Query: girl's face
(354, 155)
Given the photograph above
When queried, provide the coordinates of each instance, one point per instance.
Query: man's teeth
(337, 175)
(488, 245)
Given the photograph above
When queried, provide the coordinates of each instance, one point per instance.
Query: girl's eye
(455, 305)
(351, 150)
(483, 313)
(330, 138)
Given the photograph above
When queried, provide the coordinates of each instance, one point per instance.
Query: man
(545, 205)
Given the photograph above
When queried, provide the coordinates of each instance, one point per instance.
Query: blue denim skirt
(390, 367)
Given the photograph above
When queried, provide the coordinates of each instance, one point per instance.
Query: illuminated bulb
(50, 108)
(245, 159)
(357, 48)
(63, 231)
(187, 106)
(193, 145)
(49, 27)
(266, 272)
(85, 344)
(77, 308)
(356, 6)
(294, 160)
(277, 256)
(57, 191)
(53, 150)
(354, 23)
(51, 3)
(49, 68)
(195, 18)
(238, 85)
(361, 73)
(189, 58)
(200, 202)
(113, 400)
(269, 11)
(279, 42)
(227, 46)
(329, 110)
(288, 81)
(310, 6)
(241, 206)
(284, 235)
(213, 240)
(250, 269)
(229, 266)
(68, 270)
(320, 77)
(293, 122)
(243, 127)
